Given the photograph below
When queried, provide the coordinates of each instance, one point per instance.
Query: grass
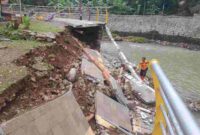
(24, 45)
(37, 26)
(41, 26)
(11, 74)
(136, 39)
(133, 39)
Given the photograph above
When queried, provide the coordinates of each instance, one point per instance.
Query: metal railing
(88, 13)
(172, 115)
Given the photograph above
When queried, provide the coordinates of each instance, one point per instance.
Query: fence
(172, 116)
(75, 12)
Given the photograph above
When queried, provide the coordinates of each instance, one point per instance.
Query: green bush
(137, 39)
(9, 31)
(124, 10)
(26, 22)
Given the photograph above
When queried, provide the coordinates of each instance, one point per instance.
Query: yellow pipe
(69, 12)
(107, 16)
(159, 101)
(97, 14)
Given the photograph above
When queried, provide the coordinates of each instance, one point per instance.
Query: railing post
(69, 12)
(97, 14)
(89, 13)
(159, 118)
(107, 16)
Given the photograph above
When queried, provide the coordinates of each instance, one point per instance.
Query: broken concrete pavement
(59, 117)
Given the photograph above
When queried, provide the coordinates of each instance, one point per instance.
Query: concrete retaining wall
(164, 25)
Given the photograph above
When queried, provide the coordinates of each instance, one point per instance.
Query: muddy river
(182, 66)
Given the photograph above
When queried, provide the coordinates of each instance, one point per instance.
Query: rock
(51, 35)
(45, 97)
(76, 65)
(71, 76)
(143, 115)
(90, 116)
(41, 74)
(51, 55)
(91, 94)
(33, 79)
(55, 92)
(62, 86)
(66, 82)
(195, 106)
(4, 39)
(151, 121)
(38, 59)
(82, 107)
(49, 40)
(3, 47)
(40, 39)
(41, 35)
(42, 66)
(118, 38)
(17, 111)
(92, 109)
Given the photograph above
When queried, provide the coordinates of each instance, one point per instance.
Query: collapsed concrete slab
(90, 69)
(110, 113)
(142, 91)
(59, 117)
(94, 73)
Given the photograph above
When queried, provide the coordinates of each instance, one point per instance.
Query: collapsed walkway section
(61, 116)
(89, 32)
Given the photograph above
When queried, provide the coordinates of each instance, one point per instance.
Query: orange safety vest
(144, 65)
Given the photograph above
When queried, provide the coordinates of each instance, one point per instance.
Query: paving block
(110, 113)
(56, 117)
(90, 69)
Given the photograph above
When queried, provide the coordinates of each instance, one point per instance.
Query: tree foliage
(124, 6)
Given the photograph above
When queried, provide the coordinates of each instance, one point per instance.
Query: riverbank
(181, 31)
(142, 38)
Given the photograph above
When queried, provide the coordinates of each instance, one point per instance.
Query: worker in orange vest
(143, 68)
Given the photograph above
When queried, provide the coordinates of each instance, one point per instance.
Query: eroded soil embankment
(45, 81)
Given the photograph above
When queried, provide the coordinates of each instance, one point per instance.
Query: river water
(182, 66)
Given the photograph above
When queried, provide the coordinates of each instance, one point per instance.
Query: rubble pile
(56, 69)
(39, 36)
(47, 68)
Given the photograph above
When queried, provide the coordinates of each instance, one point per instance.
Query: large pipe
(123, 57)
(183, 115)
